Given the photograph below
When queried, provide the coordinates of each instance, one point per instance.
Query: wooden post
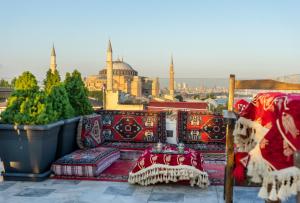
(229, 145)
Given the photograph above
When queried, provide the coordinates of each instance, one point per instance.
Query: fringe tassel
(163, 173)
(273, 193)
(263, 192)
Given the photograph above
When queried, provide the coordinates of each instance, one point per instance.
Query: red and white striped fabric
(86, 163)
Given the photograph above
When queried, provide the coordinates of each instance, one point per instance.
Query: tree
(59, 99)
(28, 105)
(179, 97)
(4, 83)
(210, 95)
(26, 81)
(77, 93)
(13, 82)
(51, 80)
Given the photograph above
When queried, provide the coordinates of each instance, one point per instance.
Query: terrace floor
(68, 191)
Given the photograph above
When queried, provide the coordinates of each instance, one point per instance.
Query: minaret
(53, 60)
(171, 84)
(109, 68)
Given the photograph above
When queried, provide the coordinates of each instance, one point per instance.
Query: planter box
(67, 137)
(27, 151)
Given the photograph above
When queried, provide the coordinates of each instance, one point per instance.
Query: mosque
(119, 78)
(125, 79)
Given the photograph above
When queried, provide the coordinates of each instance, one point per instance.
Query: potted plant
(56, 90)
(78, 98)
(28, 137)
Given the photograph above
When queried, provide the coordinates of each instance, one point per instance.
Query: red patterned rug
(214, 164)
(133, 126)
(196, 127)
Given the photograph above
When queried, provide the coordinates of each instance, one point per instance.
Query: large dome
(120, 68)
(120, 65)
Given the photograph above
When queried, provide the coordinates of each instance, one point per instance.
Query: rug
(133, 126)
(196, 127)
(214, 164)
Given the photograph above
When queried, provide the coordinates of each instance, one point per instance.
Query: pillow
(89, 132)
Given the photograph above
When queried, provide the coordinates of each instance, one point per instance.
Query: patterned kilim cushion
(195, 127)
(89, 132)
(128, 145)
(90, 162)
(133, 126)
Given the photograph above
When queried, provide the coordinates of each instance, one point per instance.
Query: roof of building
(178, 105)
(121, 65)
(120, 68)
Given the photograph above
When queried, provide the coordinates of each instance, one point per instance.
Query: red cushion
(89, 132)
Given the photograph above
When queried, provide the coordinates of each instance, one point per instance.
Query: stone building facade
(124, 79)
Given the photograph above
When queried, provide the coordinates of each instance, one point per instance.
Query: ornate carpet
(214, 164)
(196, 127)
(133, 126)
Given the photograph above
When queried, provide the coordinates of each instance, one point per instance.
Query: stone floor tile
(6, 185)
(166, 197)
(132, 199)
(120, 190)
(34, 192)
(143, 190)
(66, 182)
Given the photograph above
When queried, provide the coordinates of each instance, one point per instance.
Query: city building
(124, 79)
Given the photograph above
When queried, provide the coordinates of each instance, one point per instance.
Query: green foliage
(98, 95)
(58, 96)
(4, 83)
(210, 95)
(179, 97)
(26, 81)
(28, 107)
(78, 94)
(13, 82)
(51, 80)
(219, 109)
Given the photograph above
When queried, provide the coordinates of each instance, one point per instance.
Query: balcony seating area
(105, 136)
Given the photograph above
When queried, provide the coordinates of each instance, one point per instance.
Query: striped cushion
(87, 163)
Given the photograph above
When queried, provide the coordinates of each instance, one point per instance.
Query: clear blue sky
(212, 38)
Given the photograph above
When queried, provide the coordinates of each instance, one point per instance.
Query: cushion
(89, 131)
(196, 127)
(133, 126)
(128, 145)
(89, 162)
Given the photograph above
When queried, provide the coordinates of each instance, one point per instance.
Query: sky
(207, 38)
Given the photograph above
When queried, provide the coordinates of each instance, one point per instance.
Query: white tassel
(294, 187)
(282, 191)
(273, 194)
(256, 179)
(263, 192)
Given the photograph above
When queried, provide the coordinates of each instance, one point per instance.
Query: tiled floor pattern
(59, 191)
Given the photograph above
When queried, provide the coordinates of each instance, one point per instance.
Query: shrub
(26, 81)
(51, 80)
(28, 107)
(58, 96)
(77, 93)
